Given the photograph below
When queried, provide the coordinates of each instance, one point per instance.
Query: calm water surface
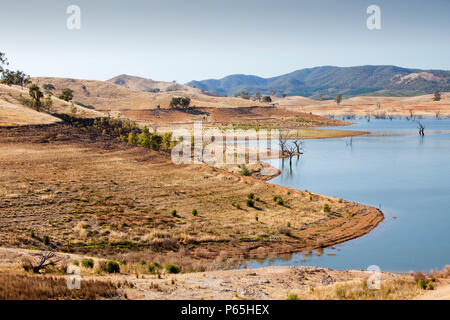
(394, 169)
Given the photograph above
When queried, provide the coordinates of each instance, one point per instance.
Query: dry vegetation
(15, 108)
(371, 106)
(90, 193)
(152, 109)
(34, 287)
(106, 96)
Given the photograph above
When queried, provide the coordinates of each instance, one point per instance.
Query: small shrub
(292, 297)
(236, 205)
(250, 203)
(171, 268)
(280, 202)
(112, 267)
(75, 262)
(341, 200)
(256, 218)
(421, 284)
(430, 285)
(251, 196)
(194, 212)
(173, 213)
(326, 208)
(288, 224)
(245, 171)
(87, 263)
(32, 235)
(154, 267)
(46, 240)
(123, 262)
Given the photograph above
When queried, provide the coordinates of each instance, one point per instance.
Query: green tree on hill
(48, 87)
(437, 96)
(245, 95)
(167, 141)
(144, 138)
(267, 99)
(180, 102)
(156, 142)
(66, 94)
(131, 138)
(338, 98)
(36, 96)
(3, 61)
(18, 78)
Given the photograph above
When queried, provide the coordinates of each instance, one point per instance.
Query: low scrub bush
(112, 267)
(87, 263)
(46, 240)
(171, 268)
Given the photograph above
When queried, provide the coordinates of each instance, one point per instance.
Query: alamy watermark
(374, 280)
(73, 22)
(216, 146)
(374, 20)
(74, 280)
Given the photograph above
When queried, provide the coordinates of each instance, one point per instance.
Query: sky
(187, 40)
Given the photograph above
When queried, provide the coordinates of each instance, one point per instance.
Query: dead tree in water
(298, 143)
(421, 129)
(282, 142)
(291, 150)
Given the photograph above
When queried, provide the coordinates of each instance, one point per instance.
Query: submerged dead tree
(291, 151)
(298, 143)
(421, 129)
(282, 142)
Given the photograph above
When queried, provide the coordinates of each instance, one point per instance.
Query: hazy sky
(198, 39)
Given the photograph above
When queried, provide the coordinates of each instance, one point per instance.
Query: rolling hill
(329, 81)
(149, 85)
(131, 94)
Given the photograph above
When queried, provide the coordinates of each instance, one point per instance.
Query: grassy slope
(15, 108)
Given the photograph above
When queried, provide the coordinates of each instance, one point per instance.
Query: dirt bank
(90, 193)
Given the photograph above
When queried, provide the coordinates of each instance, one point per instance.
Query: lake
(394, 169)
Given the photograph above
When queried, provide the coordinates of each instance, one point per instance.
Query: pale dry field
(366, 105)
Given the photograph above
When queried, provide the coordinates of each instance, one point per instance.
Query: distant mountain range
(327, 81)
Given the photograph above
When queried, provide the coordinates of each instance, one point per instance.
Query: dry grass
(366, 105)
(15, 108)
(397, 287)
(31, 287)
(96, 195)
(358, 290)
